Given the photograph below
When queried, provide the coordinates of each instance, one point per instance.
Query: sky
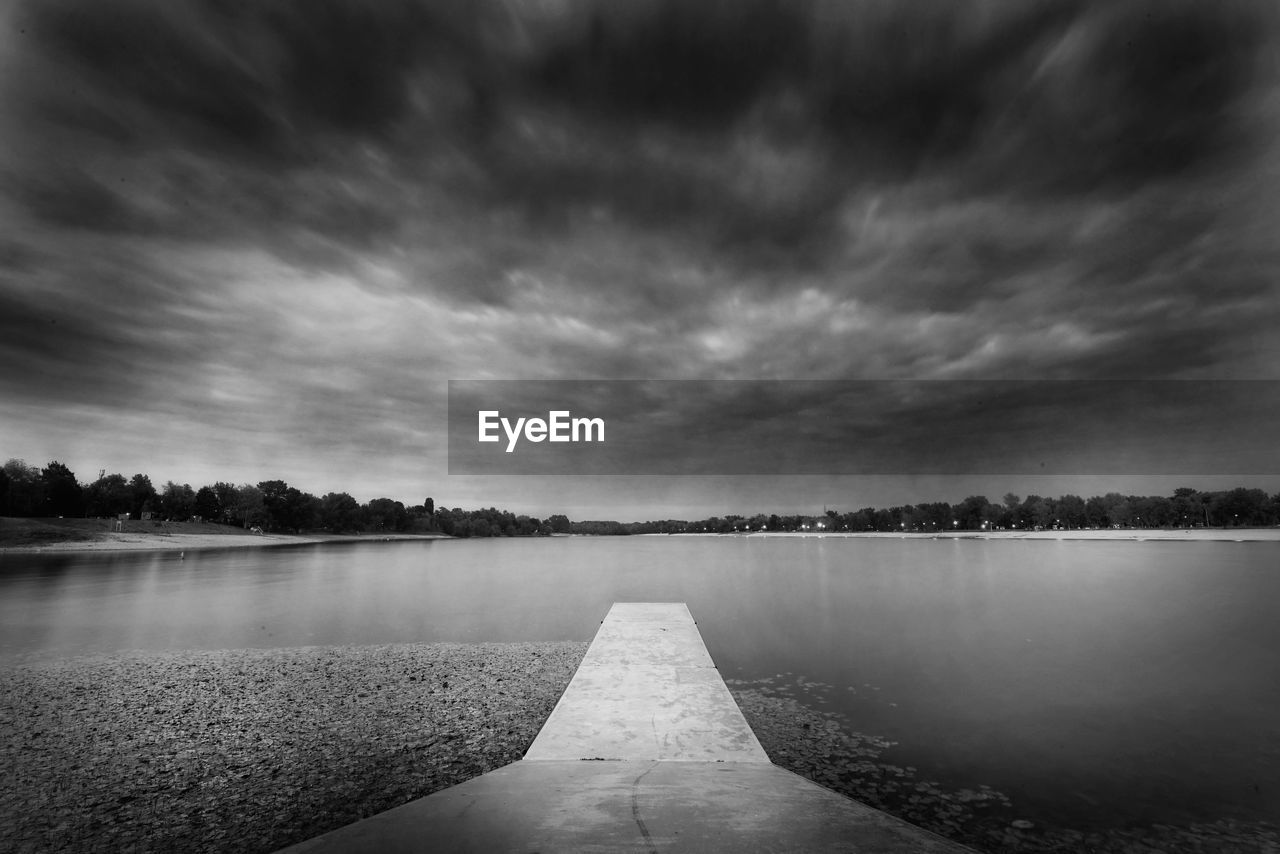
(244, 241)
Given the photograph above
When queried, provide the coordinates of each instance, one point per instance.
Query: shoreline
(1203, 535)
(1227, 535)
(113, 541)
(251, 750)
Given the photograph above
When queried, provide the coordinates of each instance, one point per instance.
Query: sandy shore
(83, 535)
(1238, 535)
(111, 541)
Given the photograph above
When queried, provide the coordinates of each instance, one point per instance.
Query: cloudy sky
(252, 240)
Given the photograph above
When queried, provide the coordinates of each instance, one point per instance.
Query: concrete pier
(646, 751)
(647, 690)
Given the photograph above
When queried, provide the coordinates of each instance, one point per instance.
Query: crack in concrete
(635, 809)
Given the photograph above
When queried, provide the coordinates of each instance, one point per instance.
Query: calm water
(1093, 682)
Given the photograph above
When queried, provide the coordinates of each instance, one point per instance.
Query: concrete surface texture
(647, 689)
(647, 752)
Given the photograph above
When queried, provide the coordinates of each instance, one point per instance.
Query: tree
(142, 496)
(383, 514)
(1240, 506)
(1188, 508)
(25, 489)
(1095, 513)
(559, 523)
(286, 508)
(207, 506)
(62, 493)
(177, 501)
(1071, 512)
(1153, 511)
(1119, 510)
(1035, 512)
(936, 516)
(108, 496)
(429, 505)
(249, 509)
(340, 513)
(274, 503)
(970, 513)
(228, 499)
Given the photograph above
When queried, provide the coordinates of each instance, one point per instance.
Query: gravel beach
(250, 750)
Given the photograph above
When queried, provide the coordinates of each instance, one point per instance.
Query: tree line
(271, 505)
(1186, 508)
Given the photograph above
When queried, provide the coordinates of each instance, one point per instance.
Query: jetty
(645, 752)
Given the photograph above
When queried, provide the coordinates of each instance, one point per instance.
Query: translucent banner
(709, 427)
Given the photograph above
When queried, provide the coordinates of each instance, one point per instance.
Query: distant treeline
(1186, 508)
(271, 505)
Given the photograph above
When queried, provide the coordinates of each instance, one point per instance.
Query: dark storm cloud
(296, 218)
(747, 123)
(70, 197)
(1052, 97)
(108, 344)
(263, 79)
(313, 132)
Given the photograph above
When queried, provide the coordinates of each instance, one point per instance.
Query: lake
(1096, 684)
